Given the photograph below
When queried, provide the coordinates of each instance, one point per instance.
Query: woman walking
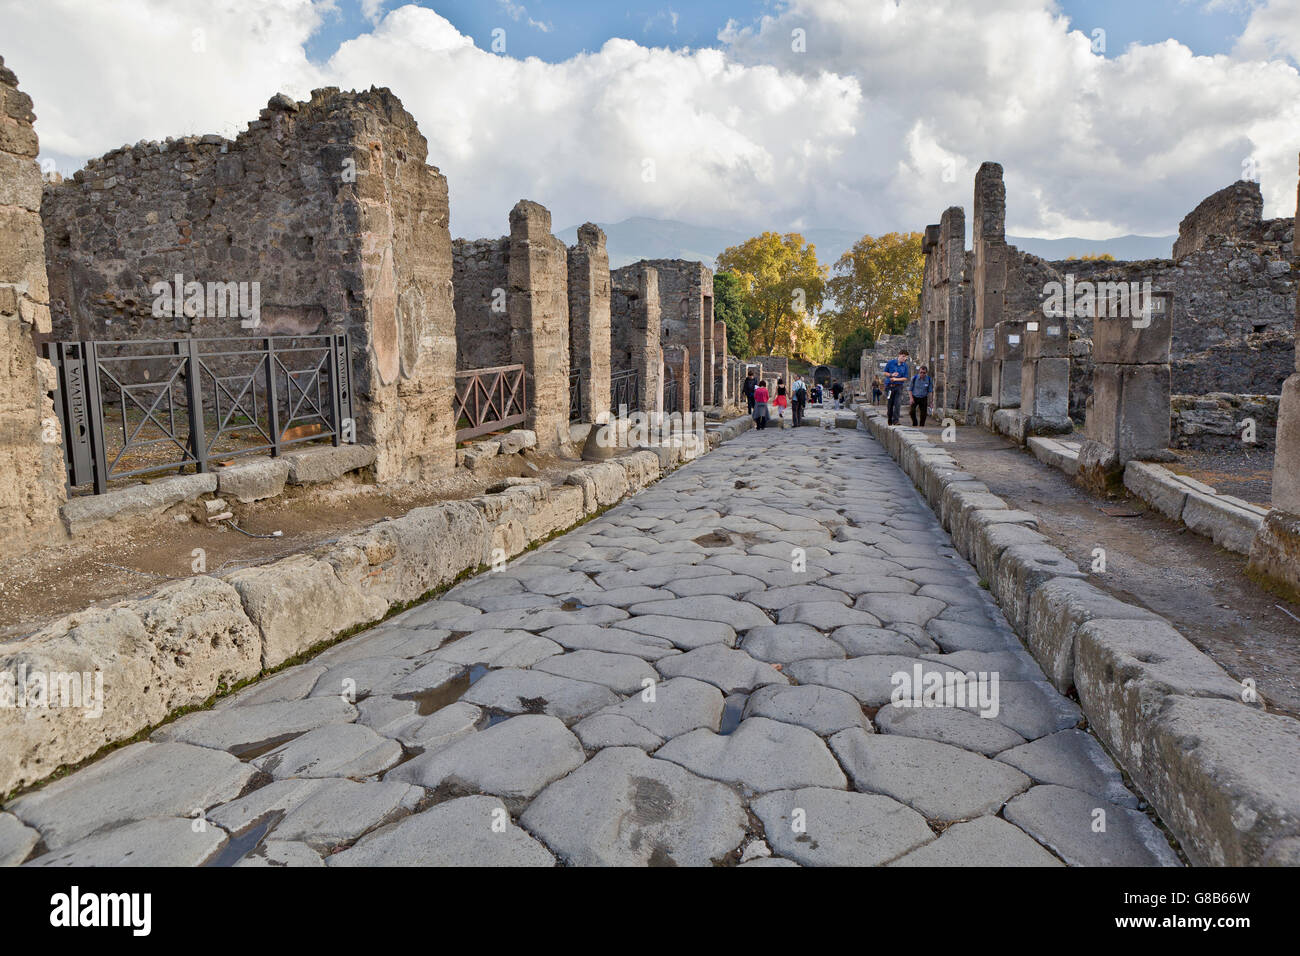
(760, 404)
(782, 401)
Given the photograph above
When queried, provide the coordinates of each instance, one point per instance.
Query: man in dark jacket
(750, 385)
(922, 386)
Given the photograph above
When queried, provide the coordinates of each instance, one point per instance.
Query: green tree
(783, 286)
(876, 285)
(848, 348)
(729, 306)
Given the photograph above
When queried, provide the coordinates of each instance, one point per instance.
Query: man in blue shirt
(922, 386)
(897, 374)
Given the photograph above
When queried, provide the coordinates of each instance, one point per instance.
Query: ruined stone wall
(589, 318)
(946, 308)
(31, 460)
(636, 333)
(1217, 421)
(327, 204)
(480, 279)
(722, 383)
(538, 301)
(1233, 212)
(686, 300)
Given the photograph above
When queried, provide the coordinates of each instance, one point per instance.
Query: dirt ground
(128, 559)
(1245, 473)
(1155, 563)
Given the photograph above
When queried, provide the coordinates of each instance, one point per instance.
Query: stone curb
(1227, 521)
(1223, 775)
(181, 644)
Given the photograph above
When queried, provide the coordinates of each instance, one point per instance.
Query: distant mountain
(1121, 247)
(644, 238)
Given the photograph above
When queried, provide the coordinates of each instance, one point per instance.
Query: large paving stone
(948, 725)
(498, 648)
(1034, 709)
(872, 680)
(273, 800)
(620, 597)
(774, 599)
(738, 614)
(155, 841)
(760, 755)
(725, 585)
(677, 706)
(336, 750)
(984, 841)
(512, 760)
(901, 608)
(621, 673)
(686, 635)
(470, 831)
(955, 636)
(1072, 758)
(825, 615)
(730, 670)
(515, 691)
(360, 678)
(281, 853)
(342, 810)
(860, 641)
(614, 640)
(140, 781)
(1068, 822)
(385, 641)
(16, 840)
(400, 719)
(623, 808)
(819, 827)
(614, 730)
(239, 728)
(941, 781)
(783, 643)
(823, 710)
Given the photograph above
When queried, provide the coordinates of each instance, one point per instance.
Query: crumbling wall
(589, 319)
(31, 462)
(480, 278)
(1218, 421)
(686, 300)
(1235, 211)
(636, 332)
(327, 204)
(945, 308)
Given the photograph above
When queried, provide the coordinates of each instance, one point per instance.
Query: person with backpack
(836, 391)
(922, 386)
(800, 400)
(897, 374)
(750, 385)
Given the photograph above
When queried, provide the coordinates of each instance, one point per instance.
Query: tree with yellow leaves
(783, 286)
(876, 285)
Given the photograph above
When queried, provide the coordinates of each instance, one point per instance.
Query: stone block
(1021, 570)
(1123, 341)
(326, 463)
(1050, 340)
(85, 513)
(1054, 453)
(1228, 525)
(1143, 428)
(481, 453)
(1158, 487)
(1275, 553)
(519, 439)
(253, 480)
(1286, 460)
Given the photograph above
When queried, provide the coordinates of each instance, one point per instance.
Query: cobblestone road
(701, 675)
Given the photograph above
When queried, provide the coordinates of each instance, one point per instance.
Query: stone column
(538, 303)
(720, 353)
(1275, 555)
(1008, 357)
(677, 360)
(31, 458)
(990, 278)
(1128, 413)
(954, 306)
(589, 318)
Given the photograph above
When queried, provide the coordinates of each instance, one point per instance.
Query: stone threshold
(1221, 772)
(190, 641)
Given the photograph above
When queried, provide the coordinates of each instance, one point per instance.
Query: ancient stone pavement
(701, 675)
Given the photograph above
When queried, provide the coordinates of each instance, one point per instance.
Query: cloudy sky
(1109, 116)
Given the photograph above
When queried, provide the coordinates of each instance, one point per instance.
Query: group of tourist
(760, 400)
(898, 380)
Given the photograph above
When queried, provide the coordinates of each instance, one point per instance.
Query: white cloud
(856, 132)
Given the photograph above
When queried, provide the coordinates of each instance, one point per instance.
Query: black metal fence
(133, 408)
(672, 396)
(624, 389)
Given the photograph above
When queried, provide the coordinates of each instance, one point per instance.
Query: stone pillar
(31, 458)
(538, 302)
(720, 363)
(1275, 555)
(678, 361)
(954, 306)
(1128, 414)
(635, 333)
(1045, 378)
(589, 298)
(990, 280)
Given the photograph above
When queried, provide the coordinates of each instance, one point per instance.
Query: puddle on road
(435, 699)
(731, 711)
(251, 751)
(246, 841)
